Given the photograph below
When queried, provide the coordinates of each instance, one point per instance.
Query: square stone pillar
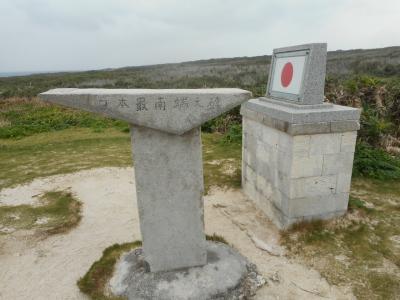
(169, 187)
(297, 159)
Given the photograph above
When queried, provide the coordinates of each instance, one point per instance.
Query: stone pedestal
(227, 275)
(298, 159)
(169, 187)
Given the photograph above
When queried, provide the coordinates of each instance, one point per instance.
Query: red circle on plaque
(287, 74)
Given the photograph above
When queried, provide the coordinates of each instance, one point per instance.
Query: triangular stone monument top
(174, 111)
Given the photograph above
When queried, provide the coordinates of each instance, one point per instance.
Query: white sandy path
(49, 269)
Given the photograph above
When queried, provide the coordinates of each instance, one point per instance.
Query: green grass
(74, 149)
(222, 162)
(94, 281)
(310, 231)
(61, 152)
(216, 238)
(363, 237)
(60, 209)
(39, 139)
(23, 117)
(355, 203)
(233, 134)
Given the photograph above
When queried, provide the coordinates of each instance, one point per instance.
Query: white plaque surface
(288, 74)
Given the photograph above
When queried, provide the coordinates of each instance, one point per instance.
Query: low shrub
(233, 135)
(375, 163)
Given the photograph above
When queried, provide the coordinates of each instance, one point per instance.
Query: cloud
(89, 34)
(72, 15)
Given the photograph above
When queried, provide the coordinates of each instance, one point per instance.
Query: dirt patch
(232, 215)
(54, 212)
(50, 268)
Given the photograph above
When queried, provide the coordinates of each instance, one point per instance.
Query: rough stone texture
(314, 77)
(300, 120)
(301, 115)
(169, 187)
(170, 110)
(301, 176)
(227, 275)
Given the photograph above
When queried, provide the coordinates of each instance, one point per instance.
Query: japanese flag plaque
(297, 74)
(312, 140)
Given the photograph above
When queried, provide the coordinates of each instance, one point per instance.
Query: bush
(224, 122)
(234, 134)
(375, 163)
(393, 99)
(373, 127)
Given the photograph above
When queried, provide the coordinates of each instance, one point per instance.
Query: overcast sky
(47, 35)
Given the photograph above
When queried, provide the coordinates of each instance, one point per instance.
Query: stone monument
(166, 143)
(297, 150)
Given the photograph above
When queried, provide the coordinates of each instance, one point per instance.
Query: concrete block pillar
(297, 162)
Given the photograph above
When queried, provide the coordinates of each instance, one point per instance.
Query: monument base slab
(227, 275)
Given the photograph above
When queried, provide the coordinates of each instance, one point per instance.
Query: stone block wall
(297, 177)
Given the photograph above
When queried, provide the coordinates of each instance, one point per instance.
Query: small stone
(15, 217)
(261, 280)
(343, 259)
(275, 277)
(7, 229)
(271, 249)
(396, 240)
(253, 275)
(369, 205)
(42, 221)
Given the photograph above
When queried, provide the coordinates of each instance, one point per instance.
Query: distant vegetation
(245, 72)
(368, 79)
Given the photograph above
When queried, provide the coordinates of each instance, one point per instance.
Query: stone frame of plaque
(311, 90)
